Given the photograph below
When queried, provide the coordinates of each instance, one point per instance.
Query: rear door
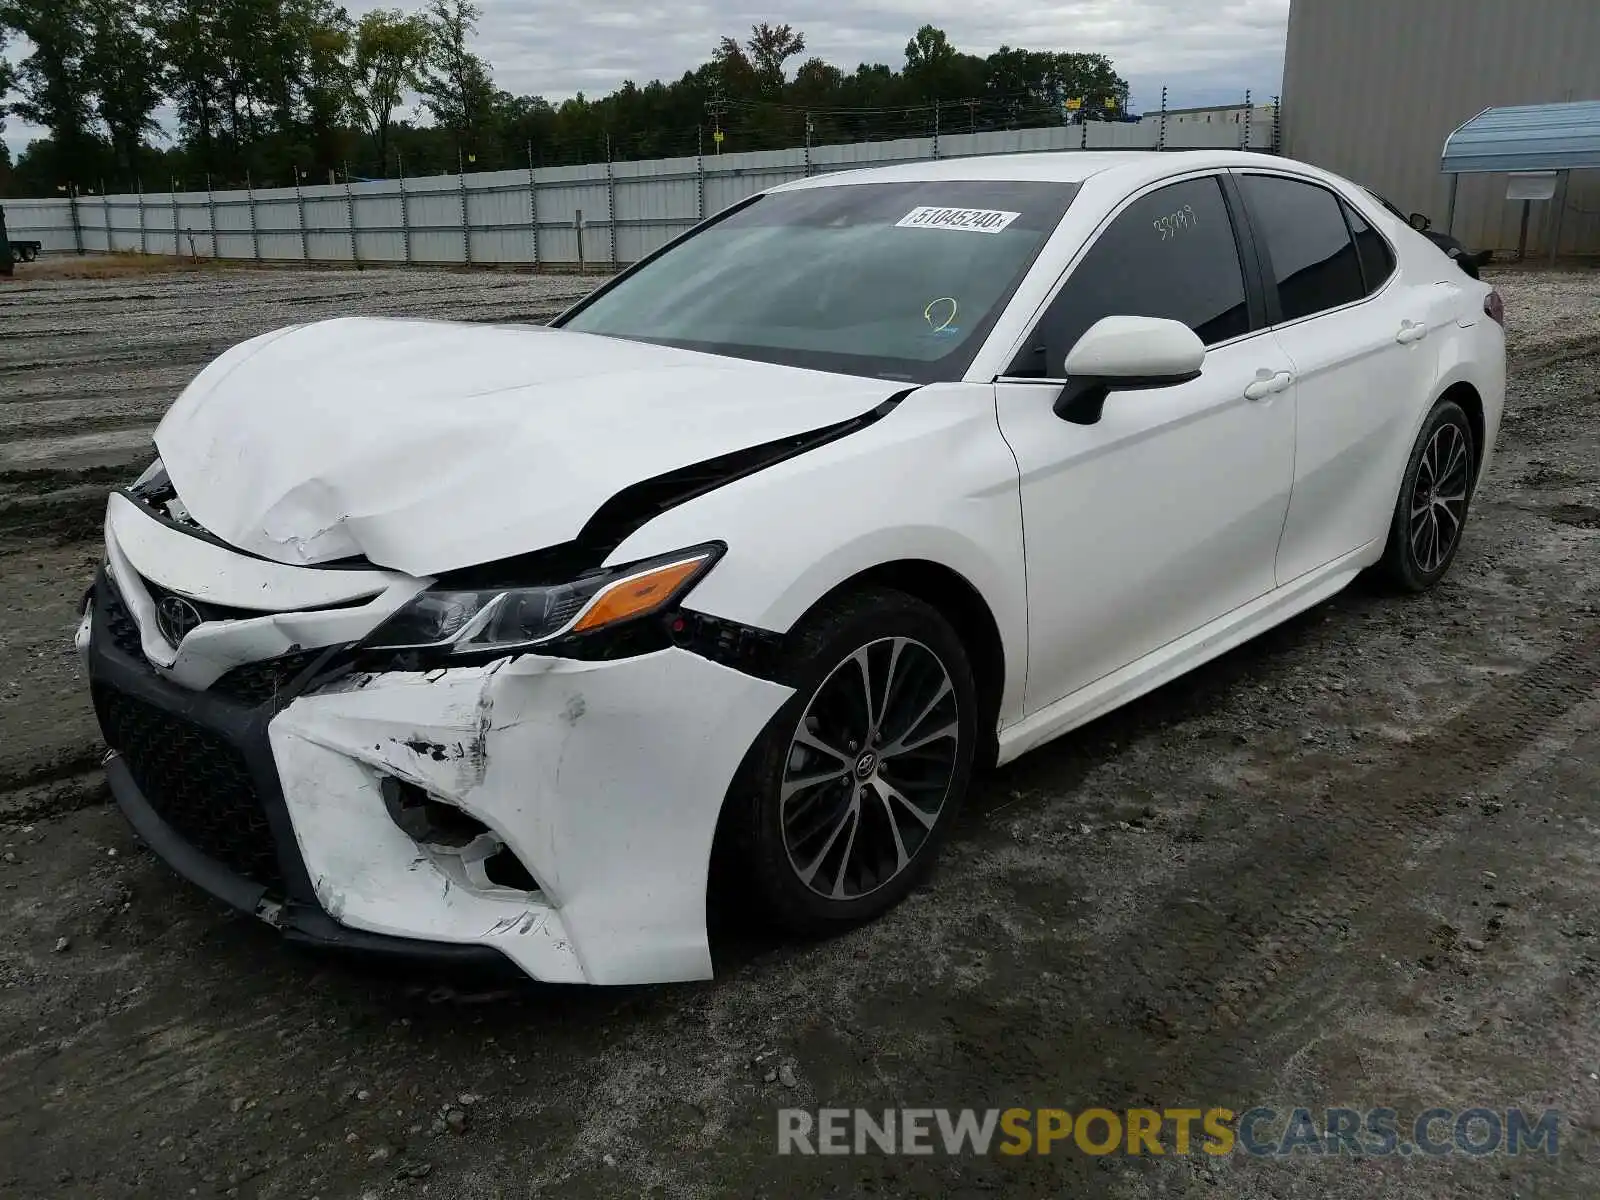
(1165, 514)
(1358, 331)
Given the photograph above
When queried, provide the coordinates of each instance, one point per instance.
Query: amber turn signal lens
(637, 596)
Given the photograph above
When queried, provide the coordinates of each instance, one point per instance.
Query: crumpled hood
(427, 446)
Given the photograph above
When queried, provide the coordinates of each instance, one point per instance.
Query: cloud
(554, 49)
(1202, 54)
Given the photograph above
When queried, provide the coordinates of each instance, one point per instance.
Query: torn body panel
(203, 570)
(605, 779)
(142, 550)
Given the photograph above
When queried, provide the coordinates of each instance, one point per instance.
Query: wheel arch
(1467, 396)
(971, 617)
(960, 603)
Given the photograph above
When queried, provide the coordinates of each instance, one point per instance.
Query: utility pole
(715, 107)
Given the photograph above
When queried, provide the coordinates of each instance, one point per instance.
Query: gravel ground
(1355, 862)
(89, 365)
(1549, 313)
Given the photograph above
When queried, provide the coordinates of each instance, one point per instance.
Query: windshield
(894, 280)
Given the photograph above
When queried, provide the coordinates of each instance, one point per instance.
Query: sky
(1204, 54)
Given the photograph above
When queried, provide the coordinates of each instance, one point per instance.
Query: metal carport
(1559, 138)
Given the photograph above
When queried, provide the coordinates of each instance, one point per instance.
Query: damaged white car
(476, 641)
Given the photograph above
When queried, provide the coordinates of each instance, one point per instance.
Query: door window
(1313, 259)
(1171, 253)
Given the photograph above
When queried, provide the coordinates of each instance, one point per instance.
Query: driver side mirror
(1120, 354)
(1420, 222)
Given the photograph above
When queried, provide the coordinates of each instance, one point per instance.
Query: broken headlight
(501, 620)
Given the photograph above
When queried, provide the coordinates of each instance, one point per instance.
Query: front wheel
(1431, 510)
(843, 801)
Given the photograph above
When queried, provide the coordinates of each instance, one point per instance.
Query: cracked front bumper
(605, 779)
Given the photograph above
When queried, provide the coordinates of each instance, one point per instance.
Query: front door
(1166, 513)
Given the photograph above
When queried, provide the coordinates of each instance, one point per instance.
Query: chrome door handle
(1410, 333)
(1271, 386)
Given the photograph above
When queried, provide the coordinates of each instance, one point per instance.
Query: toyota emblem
(175, 618)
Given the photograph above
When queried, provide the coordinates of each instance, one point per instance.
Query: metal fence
(599, 215)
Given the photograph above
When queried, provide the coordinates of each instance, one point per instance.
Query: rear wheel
(1431, 510)
(842, 803)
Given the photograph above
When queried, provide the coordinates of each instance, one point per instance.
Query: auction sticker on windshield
(972, 220)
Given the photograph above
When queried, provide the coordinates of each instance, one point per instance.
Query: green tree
(735, 74)
(269, 88)
(53, 81)
(936, 70)
(929, 49)
(190, 42)
(8, 79)
(457, 88)
(771, 46)
(1047, 78)
(122, 68)
(324, 38)
(390, 48)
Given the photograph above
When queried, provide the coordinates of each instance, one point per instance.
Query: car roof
(1054, 166)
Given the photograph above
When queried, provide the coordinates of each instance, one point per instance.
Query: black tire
(1443, 466)
(887, 625)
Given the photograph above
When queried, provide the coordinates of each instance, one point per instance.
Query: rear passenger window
(1377, 260)
(1169, 254)
(1313, 258)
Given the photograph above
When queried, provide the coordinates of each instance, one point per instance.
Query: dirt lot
(1355, 863)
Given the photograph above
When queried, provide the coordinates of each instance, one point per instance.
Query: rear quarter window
(1377, 259)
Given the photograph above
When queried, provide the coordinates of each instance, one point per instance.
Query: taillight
(1495, 307)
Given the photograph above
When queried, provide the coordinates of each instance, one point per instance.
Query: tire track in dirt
(1171, 1011)
(1336, 853)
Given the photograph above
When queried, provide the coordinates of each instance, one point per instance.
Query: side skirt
(1181, 656)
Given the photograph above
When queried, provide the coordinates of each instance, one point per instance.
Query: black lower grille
(257, 682)
(124, 631)
(196, 781)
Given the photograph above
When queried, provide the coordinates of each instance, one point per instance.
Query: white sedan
(479, 641)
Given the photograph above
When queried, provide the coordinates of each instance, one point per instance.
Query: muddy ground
(1354, 863)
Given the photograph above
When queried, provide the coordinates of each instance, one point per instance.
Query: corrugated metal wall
(1372, 88)
(602, 213)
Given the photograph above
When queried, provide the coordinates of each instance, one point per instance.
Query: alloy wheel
(1439, 498)
(869, 768)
